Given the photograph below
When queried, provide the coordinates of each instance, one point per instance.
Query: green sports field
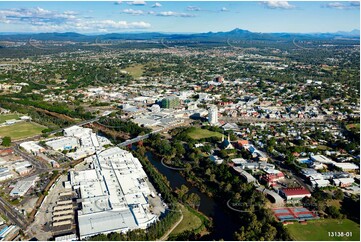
(199, 133)
(319, 230)
(21, 130)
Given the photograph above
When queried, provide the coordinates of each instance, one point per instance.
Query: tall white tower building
(213, 115)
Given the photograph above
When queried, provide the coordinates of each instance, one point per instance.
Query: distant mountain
(235, 34)
(355, 32)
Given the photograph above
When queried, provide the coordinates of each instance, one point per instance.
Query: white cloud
(224, 9)
(273, 4)
(133, 11)
(343, 5)
(119, 24)
(39, 19)
(36, 16)
(174, 14)
(157, 5)
(139, 3)
(193, 8)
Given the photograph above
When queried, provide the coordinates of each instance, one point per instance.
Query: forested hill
(220, 36)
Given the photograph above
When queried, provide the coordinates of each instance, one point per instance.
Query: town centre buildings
(113, 194)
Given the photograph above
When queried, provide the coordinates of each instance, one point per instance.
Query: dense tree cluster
(124, 126)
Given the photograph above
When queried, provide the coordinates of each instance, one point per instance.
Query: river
(224, 224)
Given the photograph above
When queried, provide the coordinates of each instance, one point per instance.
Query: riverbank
(224, 225)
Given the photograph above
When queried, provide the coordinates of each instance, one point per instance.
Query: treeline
(125, 126)
(51, 122)
(257, 222)
(218, 181)
(159, 181)
(152, 233)
(55, 107)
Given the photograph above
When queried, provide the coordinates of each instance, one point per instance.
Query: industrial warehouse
(113, 194)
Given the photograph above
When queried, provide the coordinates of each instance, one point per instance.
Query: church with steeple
(226, 143)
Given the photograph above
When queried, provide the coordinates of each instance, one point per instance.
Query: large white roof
(113, 194)
(105, 222)
(346, 166)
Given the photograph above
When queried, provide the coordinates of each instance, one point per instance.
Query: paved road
(274, 120)
(279, 201)
(142, 137)
(7, 209)
(281, 165)
(14, 216)
(37, 164)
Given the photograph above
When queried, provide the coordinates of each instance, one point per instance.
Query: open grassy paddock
(5, 117)
(21, 130)
(135, 71)
(199, 133)
(319, 230)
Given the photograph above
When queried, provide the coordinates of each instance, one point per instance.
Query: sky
(179, 16)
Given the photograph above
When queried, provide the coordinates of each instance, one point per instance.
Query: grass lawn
(353, 126)
(190, 221)
(21, 130)
(135, 71)
(322, 147)
(199, 133)
(5, 117)
(335, 203)
(318, 230)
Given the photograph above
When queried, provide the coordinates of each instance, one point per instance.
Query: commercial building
(23, 186)
(345, 166)
(170, 102)
(343, 182)
(7, 151)
(23, 168)
(294, 194)
(146, 122)
(322, 159)
(65, 143)
(113, 194)
(271, 176)
(238, 161)
(216, 159)
(81, 138)
(9, 232)
(320, 183)
(249, 178)
(32, 147)
(69, 237)
(5, 174)
(213, 115)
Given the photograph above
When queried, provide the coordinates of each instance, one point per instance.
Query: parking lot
(42, 227)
